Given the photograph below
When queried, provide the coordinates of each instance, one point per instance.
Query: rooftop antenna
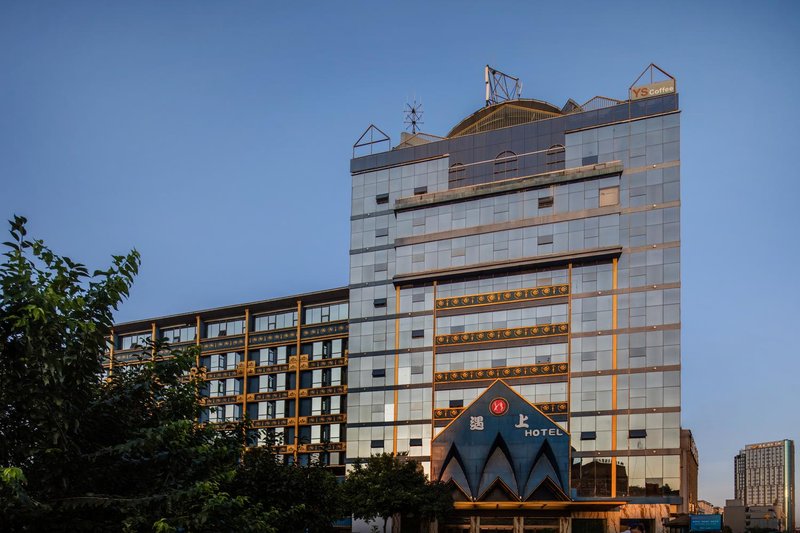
(501, 87)
(413, 116)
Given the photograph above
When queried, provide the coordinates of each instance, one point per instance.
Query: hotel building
(524, 267)
(764, 477)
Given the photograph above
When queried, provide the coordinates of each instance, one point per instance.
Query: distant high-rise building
(764, 476)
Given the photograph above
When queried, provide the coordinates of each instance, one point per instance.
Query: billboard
(653, 89)
(705, 522)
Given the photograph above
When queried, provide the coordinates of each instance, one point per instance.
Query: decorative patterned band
(548, 408)
(490, 298)
(323, 363)
(323, 447)
(273, 422)
(323, 419)
(497, 335)
(223, 374)
(273, 395)
(220, 400)
(269, 369)
(323, 391)
(289, 335)
(323, 330)
(225, 343)
(545, 369)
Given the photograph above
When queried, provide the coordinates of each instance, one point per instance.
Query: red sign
(498, 406)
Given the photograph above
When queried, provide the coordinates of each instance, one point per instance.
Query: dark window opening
(555, 155)
(382, 198)
(505, 165)
(457, 175)
(545, 202)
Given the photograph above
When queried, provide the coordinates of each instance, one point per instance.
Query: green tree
(304, 498)
(79, 453)
(391, 486)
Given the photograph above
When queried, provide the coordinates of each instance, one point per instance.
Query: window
(286, 319)
(415, 442)
(275, 355)
(326, 377)
(326, 405)
(379, 372)
(609, 196)
(223, 361)
(588, 435)
(420, 190)
(326, 313)
(271, 382)
(417, 334)
(224, 328)
(382, 198)
(505, 165)
(637, 433)
(224, 387)
(376, 444)
(456, 403)
(179, 334)
(224, 413)
(382, 232)
(555, 155)
(379, 302)
(545, 202)
(545, 239)
(137, 340)
(457, 174)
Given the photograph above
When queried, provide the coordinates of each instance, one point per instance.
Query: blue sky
(215, 138)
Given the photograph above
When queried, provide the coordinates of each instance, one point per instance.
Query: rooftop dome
(504, 114)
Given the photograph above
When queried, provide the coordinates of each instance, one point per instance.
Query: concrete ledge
(510, 185)
(561, 258)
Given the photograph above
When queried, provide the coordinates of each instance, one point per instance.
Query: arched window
(555, 155)
(505, 165)
(456, 175)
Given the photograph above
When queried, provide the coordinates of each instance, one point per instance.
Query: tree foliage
(80, 453)
(388, 485)
(304, 498)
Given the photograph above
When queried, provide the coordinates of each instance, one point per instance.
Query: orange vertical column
(244, 363)
(111, 353)
(153, 340)
(396, 364)
(614, 377)
(433, 363)
(297, 381)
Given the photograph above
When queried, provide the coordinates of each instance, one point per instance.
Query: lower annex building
(512, 320)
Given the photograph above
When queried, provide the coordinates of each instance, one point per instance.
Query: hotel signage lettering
(654, 89)
(499, 407)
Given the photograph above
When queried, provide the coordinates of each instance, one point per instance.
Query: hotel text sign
(653, 89)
